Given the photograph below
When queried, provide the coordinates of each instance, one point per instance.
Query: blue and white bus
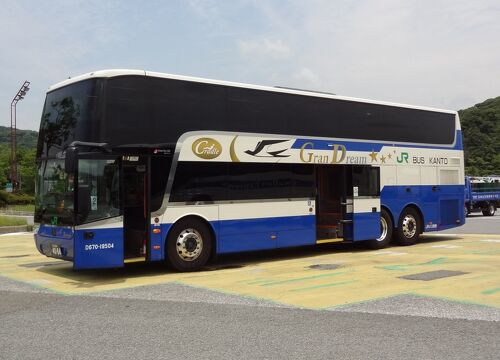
(135, 164)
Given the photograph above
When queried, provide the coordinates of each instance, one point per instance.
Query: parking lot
(439, 298)
(463, 268)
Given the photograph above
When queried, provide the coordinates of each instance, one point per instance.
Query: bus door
(362, 203)
(98, 239)
(136, 206)
(330, 190)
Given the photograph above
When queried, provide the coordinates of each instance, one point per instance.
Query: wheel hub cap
(189, 244)
(409, 226)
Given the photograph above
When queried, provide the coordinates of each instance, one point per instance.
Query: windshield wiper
(99, 146)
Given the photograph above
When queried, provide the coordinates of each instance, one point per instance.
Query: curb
(12, 229)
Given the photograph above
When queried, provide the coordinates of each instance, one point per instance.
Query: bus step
(327, 241)
(326, 232)
(134, 260)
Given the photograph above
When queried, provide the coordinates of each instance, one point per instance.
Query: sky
(437, 53)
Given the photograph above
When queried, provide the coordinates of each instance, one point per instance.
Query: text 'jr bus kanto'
(135, 164)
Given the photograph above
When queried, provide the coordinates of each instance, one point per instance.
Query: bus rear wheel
(189, 245)
(385, 232)
(409, 227)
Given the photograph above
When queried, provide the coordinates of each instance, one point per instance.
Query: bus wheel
(490, 210)
(385, 232)
(409, 226)
(189, 245)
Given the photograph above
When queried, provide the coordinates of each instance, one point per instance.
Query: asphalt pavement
(477, 223)
(112, 317)
(49, 326)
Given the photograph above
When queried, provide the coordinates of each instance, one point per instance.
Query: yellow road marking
(289, 277)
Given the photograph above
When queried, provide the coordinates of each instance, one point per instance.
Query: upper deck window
(70, 113)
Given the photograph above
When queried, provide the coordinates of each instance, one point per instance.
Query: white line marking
(393, 253)
(491, 240)
(445, 235)
(445, 246)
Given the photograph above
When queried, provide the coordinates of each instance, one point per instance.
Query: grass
(11, 221)
(27, 208)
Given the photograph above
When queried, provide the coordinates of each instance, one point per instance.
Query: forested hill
(26, 145)
(25, 138)
(481, 136)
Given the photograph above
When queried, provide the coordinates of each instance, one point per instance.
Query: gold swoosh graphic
(232, 153)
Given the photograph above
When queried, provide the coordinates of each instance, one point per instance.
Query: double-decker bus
(135, 164)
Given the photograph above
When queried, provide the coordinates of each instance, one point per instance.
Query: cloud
(206, 9)
(264, 49)
(307, 77)
(440, 54)
(47, 42)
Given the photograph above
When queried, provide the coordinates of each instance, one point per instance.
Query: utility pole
(13, 136)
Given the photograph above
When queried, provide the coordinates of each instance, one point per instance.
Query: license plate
(56, 250)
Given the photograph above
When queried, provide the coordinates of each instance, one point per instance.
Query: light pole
(13, 139)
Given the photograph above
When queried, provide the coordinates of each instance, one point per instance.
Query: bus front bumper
(55, 241)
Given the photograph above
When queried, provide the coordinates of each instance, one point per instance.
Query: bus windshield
(98, 192)
(55, 194)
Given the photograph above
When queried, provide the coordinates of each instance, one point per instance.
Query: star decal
(382, 159)
(373, 155)
(389, 156)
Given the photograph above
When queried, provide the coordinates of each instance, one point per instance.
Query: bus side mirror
(70, 161)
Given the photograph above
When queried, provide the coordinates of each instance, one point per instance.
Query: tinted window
(54, 201)
(160, 168)
(126, 122)
(98, 190)
(155, 110)
(485, 187)
(277, 113)
(367, 180)
(176, 107)
(70, 113)
(200, 181)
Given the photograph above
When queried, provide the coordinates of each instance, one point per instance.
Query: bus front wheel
(409, 227)
(189, 245)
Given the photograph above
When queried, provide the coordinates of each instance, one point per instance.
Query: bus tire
(386, 227)
(490, 210)
(189, 245)
(409, 227)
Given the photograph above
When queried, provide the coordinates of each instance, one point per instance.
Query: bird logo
(264, 149)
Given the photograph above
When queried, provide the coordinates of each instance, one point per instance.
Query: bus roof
(123, 72)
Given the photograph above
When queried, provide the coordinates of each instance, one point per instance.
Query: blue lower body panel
(442, 206)
(366, 226)
(265, 233)
(103, 250)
